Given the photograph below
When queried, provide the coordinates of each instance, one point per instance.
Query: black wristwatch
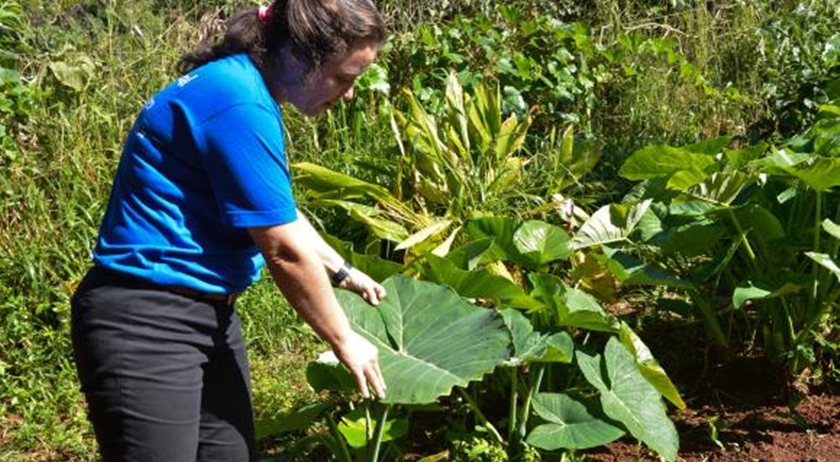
(339, 276)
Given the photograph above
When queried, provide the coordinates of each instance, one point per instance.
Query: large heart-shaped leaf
(541, 243)
(710, 147)
(570, 425)
(629, 398)
(429, 339)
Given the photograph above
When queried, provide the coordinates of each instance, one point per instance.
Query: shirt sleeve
(244, 155)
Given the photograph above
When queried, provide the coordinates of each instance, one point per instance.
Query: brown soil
(748, 433)
(745, 399)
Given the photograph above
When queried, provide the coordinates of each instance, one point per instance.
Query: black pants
(165, 376)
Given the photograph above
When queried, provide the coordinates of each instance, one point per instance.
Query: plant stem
(480, 416)
(380, 430)
(710, 317)
(526, 406)
(343, 452)
(514, 397)
(813, 303)
(744, 239)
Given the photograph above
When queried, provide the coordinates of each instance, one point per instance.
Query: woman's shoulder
(220, 84)
(235, 73)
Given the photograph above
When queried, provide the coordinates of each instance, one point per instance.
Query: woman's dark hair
(315, 30)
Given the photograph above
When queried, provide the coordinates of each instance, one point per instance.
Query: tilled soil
(748, 433)
(738, 407)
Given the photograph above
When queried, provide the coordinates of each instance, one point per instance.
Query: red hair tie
(264, 12)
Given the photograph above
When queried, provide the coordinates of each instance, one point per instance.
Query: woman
(200, 203)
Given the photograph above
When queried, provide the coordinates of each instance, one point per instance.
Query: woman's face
(333, 81)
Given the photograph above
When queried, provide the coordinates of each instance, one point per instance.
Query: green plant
(753, 223)
(543, 340)
(452, 168)
(425, 351)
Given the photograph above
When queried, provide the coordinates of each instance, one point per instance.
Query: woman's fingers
(370, 374)
(365, 286)
(361, 382)
(375, 379)
(361, 358)
(371, 295)
(380, 291)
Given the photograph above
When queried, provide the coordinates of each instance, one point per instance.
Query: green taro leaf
(570, 425)
(481, 284)
(631, 271)
(561, 349)
(664, 161)
(721, 189)
(429, 339)
(650, 367)
(831, 53)
(820, 173)
(501, 230)
(772, 286)
(741, 157)
(541, 243)
(325, 374)
(626, 396)
(686, 179)
(469, 256)
(761, 223)
(530, 346)
(710, 147)
(611, 223)
(527, 344)
(354, 428)
(573, 307)
(690, 239)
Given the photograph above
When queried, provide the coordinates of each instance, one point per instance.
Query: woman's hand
(361, 358)
(365, 286)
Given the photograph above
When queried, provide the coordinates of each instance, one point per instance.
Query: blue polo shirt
(204, 160)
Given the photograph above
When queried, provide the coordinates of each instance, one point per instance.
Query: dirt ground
(737, 407)
(748, 433)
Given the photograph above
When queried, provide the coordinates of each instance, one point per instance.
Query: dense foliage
(541, 158)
